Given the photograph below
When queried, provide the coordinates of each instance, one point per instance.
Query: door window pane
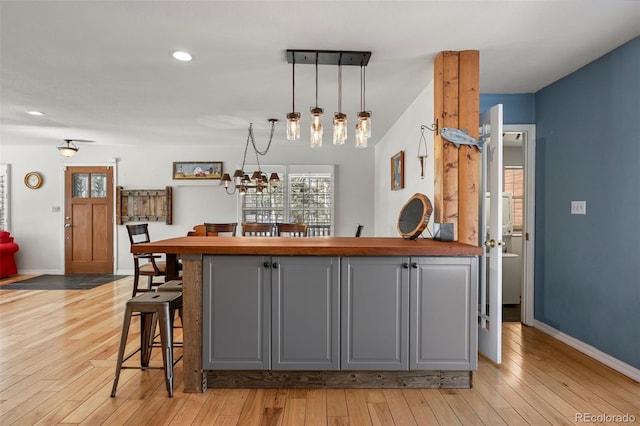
(80, 182)
(98, 185)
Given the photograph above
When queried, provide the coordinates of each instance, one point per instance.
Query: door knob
(490, 243)
(67, 225)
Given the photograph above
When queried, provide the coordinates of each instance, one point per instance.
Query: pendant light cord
(340, 85)
(293, 85)
(316, 80)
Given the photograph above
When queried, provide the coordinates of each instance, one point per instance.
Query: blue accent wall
(587, 272)
(518, 108)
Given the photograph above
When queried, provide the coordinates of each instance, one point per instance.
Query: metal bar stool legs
(152, 307)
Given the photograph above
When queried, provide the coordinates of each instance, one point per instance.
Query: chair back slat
(292, 229)
(257, 229)
(215, 229)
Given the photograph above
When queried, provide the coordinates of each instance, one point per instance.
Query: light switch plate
(578, 207)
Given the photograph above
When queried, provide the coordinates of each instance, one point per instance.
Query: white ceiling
(102, 70)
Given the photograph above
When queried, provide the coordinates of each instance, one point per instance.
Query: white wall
(39, 231)
(404, 136)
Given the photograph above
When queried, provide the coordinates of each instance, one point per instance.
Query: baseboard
(621, 367)
(40, 272)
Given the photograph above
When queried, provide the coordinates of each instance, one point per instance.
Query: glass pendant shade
(316, 127)
(339, 128)
(364, 119)
(293, 126)
(361, 137)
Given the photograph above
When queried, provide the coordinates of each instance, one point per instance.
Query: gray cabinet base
(425, 379)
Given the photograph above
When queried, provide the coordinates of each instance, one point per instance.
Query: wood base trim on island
(270, 379)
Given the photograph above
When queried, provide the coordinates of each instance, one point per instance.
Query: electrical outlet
(578, 207)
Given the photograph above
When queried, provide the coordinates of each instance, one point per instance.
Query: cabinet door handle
(275, 265)
(414, 265)
(266, 264)
(405, 265)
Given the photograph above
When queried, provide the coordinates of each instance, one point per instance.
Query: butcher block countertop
(285, 246)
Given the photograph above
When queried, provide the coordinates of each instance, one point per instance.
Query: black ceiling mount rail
(328, 57)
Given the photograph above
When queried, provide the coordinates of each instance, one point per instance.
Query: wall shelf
(144, 205)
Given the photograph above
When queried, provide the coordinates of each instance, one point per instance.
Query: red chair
(7, 250)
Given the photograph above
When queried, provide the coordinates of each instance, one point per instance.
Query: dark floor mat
(63, 282)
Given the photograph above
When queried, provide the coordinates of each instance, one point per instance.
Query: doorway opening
(518, 258)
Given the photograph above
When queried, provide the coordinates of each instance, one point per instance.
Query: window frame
(285, 171)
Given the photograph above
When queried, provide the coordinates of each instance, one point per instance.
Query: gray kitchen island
(326, 312)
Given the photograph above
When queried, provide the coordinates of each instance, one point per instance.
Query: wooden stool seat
(174, 285)
(152, 307)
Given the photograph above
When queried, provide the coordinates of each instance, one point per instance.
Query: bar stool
(174, 285)
(152, 306)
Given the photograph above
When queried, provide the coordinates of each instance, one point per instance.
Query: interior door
(88, 220)
(490, 292)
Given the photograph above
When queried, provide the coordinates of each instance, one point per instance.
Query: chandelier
(338, 58)
(258, 180)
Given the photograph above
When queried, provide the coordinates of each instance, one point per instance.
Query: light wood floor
(57, 357)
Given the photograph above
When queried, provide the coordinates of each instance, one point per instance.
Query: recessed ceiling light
(182, 56)
(35, 113)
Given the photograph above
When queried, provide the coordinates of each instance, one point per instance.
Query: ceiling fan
(69, 148)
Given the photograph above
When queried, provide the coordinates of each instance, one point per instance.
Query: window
(514, 183)
(304, 194)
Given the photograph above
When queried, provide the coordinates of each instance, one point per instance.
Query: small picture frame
(397, 171)
(197, 170)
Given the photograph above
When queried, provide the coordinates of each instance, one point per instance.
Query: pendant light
(316, 118)
(339, 119)
(293, 118)
(364, 117)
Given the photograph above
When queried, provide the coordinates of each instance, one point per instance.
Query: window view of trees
(299, 197)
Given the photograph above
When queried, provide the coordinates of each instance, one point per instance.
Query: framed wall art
(197, 170)
(397, 171)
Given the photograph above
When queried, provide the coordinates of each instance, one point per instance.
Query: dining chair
(359, 230)
(214, 229)
(291, 229)
(251, 229)
(145, 264)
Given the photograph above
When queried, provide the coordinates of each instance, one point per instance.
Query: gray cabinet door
(443, 313)
(305, 313)
(236, 313)
(375, 313)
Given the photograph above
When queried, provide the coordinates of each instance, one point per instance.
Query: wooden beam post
(457, 171)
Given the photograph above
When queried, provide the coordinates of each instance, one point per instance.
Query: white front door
(490, 292)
